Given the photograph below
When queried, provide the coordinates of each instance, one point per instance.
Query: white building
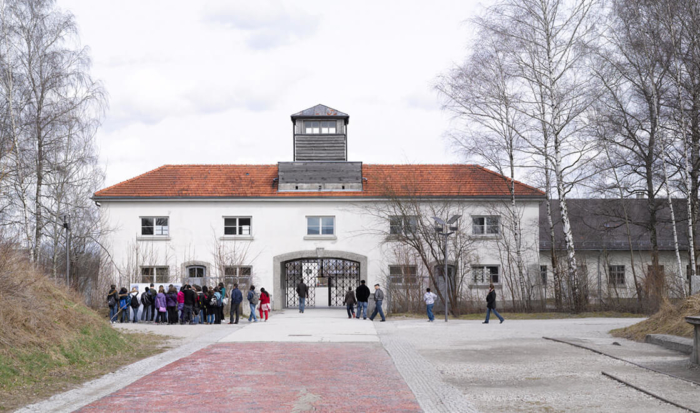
(314, 218)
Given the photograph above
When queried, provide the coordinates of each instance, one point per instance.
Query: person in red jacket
(264, 303)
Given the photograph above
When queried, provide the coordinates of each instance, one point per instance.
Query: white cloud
(216, 82)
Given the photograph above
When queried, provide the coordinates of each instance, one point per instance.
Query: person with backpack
(171, 304)
(123, 313)
(188, 305)
(264, 303)
(153, 293)
(236, 300)
(134, 301)
(362, 293)
(303, 291)
(218, 303)
(161, 304)
(112, 301)
(146, 302)
(350, 302)
(252, 301)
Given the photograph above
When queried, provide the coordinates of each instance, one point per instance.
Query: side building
(320, 218)
(614, 250)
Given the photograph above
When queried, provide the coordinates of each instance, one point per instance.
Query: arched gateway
(328, 274)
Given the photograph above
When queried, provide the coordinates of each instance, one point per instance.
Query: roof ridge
(510, 179)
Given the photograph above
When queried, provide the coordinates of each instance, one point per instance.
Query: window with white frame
(485, 274)
(403, 274)
(238, 274)
(486, 225)
(320, 225)
(403, 225)
(154, 274)
(616, 274)
(196, 271)
(313, 127)
(237, 225)
(155, 226)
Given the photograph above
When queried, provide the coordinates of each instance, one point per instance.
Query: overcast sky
(206, 82)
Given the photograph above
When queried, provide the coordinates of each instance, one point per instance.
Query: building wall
(196, 230)
(597, 265)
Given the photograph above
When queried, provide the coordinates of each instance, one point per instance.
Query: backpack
(134, 302)
(112, 301)
(255, 299)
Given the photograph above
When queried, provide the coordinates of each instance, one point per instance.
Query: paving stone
(266, 377)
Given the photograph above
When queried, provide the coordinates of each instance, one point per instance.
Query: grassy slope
(670, 319)
(50, 341)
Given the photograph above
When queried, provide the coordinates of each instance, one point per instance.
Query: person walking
(188, 305)
(171, 304)
(350, 302)
(378, 298)
(429, 299)
(264, 303)
(134, 302)
(161, 303)
(112, 302)
(491, 305)
(303, 291)
(362, 293)
(252, 301)
(236, 300)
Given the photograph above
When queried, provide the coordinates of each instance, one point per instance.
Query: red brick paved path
(270, 377)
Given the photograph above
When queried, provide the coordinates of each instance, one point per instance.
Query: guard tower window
(313, 127)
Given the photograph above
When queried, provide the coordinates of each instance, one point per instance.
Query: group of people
(191, 304)
(359, 297)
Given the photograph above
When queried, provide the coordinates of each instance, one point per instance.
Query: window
(238, 274)
(196, 271)
(237, 226)
(154, 275)
(403, 224)
(313, 127)
(320, 225)
(154, 226)
(485, 274)
(403, 274)
(616, 274)
(486, 226)
(543, 274)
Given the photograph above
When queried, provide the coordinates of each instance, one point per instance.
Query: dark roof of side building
(599, 224)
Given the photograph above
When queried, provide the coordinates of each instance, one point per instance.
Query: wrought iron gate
(337, 274)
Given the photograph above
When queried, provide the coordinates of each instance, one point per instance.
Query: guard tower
(320, 153)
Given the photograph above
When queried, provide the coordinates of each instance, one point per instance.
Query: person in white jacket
(429, 299)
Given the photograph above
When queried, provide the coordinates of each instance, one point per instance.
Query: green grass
(527, 316)
(30, 375)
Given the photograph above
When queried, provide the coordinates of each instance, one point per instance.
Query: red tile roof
(243, 181)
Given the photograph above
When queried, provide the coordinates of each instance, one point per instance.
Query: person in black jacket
(188, 308)
(362, 294)
(491, 304)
